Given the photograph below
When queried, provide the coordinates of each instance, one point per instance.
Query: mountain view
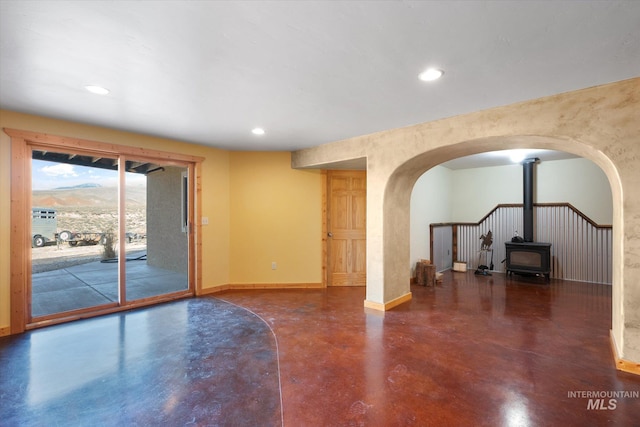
(87, 185)
(92, 208)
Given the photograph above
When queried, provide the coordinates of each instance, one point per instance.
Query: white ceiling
(504, 157)
(308, 72)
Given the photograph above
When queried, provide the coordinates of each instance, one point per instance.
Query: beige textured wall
(601, 124)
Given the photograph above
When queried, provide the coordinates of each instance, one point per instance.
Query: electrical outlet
(274, 265)
(205, 220)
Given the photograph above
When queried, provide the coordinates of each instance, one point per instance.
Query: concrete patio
(96, 283)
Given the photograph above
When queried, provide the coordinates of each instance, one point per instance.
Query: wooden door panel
(351, 279)
(340, 212)
(359, 212)
(359, 182)
(340, 256)
(340, 182)
(358, 255)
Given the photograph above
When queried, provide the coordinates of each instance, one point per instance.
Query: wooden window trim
(22, 143)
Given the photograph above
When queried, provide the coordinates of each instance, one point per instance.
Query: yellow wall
(276, 217)
(259, 209)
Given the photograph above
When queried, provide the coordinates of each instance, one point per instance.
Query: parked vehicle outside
(44, 226)
(44, 230)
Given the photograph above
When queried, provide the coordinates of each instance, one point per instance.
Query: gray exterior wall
(167, 244)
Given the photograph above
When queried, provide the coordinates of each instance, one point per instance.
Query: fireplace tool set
(485, 248)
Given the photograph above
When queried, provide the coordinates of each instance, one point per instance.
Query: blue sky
(50, 175)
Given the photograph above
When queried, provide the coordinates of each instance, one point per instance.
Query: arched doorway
(472, 195)
(396, 212)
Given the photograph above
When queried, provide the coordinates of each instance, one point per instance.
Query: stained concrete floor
(477, 350)
(189, 362)
(96, 283)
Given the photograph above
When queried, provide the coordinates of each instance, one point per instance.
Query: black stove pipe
(527, 192)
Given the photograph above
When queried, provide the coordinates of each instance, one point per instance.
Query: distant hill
(87, 185)
(91, 196)
(94, 209)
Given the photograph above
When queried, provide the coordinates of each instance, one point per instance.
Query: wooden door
(346, 226)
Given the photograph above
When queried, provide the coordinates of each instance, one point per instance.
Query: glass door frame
(189, 218)
(22, 145)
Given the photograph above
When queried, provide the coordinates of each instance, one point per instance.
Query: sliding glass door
(157, 233)
(74, 216)
(107, 231)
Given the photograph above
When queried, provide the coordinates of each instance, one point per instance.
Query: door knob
(330, 234)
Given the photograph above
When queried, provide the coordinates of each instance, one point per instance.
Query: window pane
(74, 216)
(157, 241)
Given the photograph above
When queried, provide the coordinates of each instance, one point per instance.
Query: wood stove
(529, 258)
(525, 256)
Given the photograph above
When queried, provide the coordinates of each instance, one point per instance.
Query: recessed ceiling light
(430, 74)
(258, 131)
(517, 156)
(98, 90)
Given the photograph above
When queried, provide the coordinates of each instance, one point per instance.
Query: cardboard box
(460, 266)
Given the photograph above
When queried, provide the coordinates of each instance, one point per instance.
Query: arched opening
(474, 195)
(397, 197)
